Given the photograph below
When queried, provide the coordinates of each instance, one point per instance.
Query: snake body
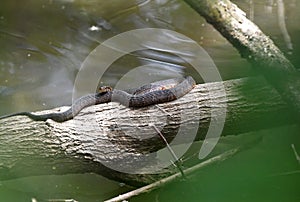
(150, 94)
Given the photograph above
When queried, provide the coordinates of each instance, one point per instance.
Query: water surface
(44, 44)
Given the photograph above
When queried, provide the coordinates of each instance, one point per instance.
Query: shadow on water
(43, 45)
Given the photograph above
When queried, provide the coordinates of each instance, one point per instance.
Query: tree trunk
(253, 45)
(109, 137)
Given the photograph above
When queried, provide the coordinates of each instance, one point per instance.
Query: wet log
(121, 143)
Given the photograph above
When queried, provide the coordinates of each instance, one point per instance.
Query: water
(44, 44)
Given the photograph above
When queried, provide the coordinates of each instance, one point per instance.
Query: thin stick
(164, 111)
(171, 178)
(295, 152)
(282, 25)
(177, 161)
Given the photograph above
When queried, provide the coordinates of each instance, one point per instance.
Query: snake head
(104, 89)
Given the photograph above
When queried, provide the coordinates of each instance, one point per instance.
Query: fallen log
(109, 139)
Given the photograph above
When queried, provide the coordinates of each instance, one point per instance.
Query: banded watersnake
(150, 94)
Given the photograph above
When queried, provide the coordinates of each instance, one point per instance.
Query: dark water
(44, 44)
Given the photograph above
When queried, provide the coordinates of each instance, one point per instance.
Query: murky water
(44, 44)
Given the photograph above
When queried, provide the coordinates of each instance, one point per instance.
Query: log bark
(254, 46)
(109, 138)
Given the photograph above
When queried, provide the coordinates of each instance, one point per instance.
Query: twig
(62, 200)
(164, 111)
(177, 161)
(171, 178)
(251, 10)
(295, 152)
(282, 25)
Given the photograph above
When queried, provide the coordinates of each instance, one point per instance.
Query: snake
(146, 95)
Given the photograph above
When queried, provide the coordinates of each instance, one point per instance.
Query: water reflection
(278, 19)
(45, 42)
(41, 52)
